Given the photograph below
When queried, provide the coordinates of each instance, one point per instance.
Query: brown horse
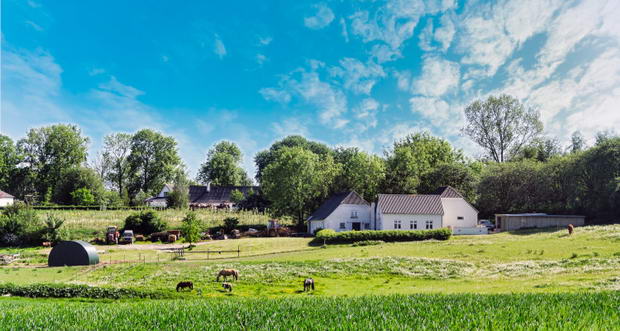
(571, 229)
(227, 272)
(308, 284)
(185, 285)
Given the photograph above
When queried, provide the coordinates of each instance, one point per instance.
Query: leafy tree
(48, 152)
(297, 180)
(76, 179)
(153, 161)
(53, 230)
(8, 162)
(115, 160)
(464, 178)
(540, 149)
(236, 196)
(222, 166)
(254, 201)
(360, 172)
(145, 222)
(82, 197)
(265, 158)
(230, 223)
(191, 227)
(501, 125)
(412, 158)
(179, 197)
(20, 224)
(578, 143)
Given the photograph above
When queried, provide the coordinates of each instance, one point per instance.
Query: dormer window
(354, 214)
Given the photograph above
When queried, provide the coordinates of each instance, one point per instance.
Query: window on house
(354, 214)
(429, 225)
(413, 225)
(166, 193)
(397, 225)
(342, 226)
(460, 218)
(367, 226)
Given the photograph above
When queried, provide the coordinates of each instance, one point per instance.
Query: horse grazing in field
(227, 287)
(571, 229)
(228, 272)
(185, 285)
(308, 284)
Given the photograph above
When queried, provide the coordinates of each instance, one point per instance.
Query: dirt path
(144, 247)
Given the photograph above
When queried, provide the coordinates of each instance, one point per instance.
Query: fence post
(238, 251)
(208, 252)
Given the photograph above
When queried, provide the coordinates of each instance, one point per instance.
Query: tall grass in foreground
(586, 311)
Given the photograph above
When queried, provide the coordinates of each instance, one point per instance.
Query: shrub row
(332, 237)
(76, 291)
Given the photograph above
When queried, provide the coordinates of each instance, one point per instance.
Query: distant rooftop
(540, 215)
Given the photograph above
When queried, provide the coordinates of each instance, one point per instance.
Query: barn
(6, 199)
(71, 253)
(509, 222)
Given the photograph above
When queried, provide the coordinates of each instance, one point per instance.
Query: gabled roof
(5, 195)
(328, 207)
(216, 194)
(448, 192)
(414, 204)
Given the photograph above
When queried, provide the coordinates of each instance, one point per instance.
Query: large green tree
(501, 125)
(264, 158)
(50, 151)
(297, 180)
(463, 177)
(412, 158)
(75, 179)
(153, 161)
(359, 171)
(115, 157)
(9, 160)
(222, 166)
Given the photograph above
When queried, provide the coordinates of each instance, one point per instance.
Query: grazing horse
(308, 284)
(227, 286)
(571, 229)
(184, 285)
(228, 272)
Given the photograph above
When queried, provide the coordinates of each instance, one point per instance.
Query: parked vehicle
(490, 226)
(127, 237)
(112, 235)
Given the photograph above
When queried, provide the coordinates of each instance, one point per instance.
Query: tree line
(522, 170)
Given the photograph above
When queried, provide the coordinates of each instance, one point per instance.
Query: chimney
(209, 186)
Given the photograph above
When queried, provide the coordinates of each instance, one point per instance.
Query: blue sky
(341, 72)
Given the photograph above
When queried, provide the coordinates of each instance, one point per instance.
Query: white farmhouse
(342, 212)
(445, 208)
(6, 199)
(161, 199)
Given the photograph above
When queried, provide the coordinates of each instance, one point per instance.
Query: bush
(76, 291)
(191, 228)
(82, 197)
(368, 243)
(53, 231)
(19, 225)
(145, 222)
(316, 231)
(333, 237)
(230, 223)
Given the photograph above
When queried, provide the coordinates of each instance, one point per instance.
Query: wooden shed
(509, 222)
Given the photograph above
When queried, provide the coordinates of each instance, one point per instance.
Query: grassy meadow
(519, 280)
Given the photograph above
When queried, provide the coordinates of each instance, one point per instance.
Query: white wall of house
(408, 221)
(314, 225)
(348, 214)
(164, 191)
(458, 213)
(6, 202)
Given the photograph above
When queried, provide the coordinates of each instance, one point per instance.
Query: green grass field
(586, 311)
(508, 269)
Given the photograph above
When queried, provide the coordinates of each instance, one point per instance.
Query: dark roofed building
(204, 196)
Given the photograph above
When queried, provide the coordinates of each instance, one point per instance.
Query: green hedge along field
(584, 311)
(332, 237)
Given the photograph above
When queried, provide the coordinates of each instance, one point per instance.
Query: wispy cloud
(322, 18)
(218, 47)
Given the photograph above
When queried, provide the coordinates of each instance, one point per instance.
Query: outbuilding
(509, 222)
(72, 253)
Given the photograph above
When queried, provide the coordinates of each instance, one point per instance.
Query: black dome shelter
(70, 253)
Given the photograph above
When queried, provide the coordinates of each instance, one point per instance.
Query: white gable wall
(343, 214)
(164, 191)
(6, 202)
(387, 221)
(454, 208)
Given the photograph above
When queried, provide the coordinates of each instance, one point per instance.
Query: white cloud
(345, 33)
(439, 76)
(261, 59)
(357, 76)
(445, 33)
(323, 17)
(264, 41)
(34, 25)
(290, 126)
(218, 47)
(275, 94)
(383, 53)
(366, 111)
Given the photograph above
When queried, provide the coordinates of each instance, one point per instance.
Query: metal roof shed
(71, 253)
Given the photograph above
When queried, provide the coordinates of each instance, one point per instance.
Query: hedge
(77, 291)
(332, 237)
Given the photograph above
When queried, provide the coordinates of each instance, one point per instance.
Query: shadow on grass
(527, 232)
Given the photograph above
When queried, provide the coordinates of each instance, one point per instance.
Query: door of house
(356, 226)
